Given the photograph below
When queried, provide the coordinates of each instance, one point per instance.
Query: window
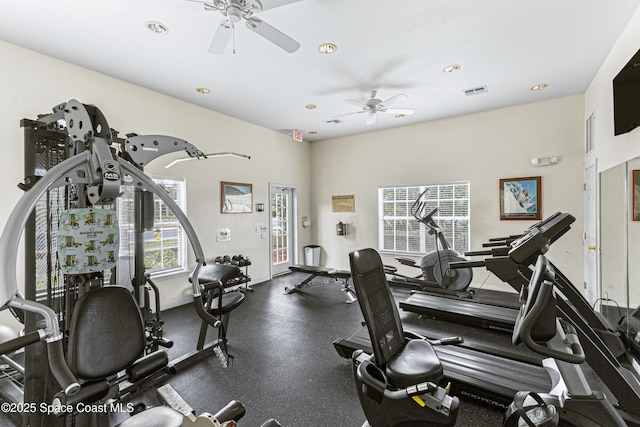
(165, 245)
(400, 232)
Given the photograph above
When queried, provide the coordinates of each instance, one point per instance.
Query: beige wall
(481, 148)
(31, 84)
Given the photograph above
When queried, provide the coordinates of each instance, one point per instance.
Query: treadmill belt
(461, 311)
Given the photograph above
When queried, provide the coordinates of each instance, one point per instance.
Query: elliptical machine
(436, 275)
(571, 400)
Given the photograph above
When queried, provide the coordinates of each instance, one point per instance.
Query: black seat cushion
(416, 363)
(217, 273)
(230, 301)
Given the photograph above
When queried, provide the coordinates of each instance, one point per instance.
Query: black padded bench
(342, 276)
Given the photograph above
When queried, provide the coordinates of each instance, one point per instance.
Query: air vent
(333, 122)
(475, 91)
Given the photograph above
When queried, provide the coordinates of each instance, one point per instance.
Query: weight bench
(342, 276)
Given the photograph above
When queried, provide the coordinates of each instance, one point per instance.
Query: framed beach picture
(520, 198)
(236, 197)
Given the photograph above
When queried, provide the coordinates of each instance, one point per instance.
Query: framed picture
(236, 197)
(520, 198)
(635, 177)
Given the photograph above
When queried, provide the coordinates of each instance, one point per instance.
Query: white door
(283, 232)
(590, 234)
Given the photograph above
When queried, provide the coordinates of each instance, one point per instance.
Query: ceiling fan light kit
(235, 11)
(374, 105)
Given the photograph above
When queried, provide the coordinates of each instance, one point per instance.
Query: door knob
(592, 248)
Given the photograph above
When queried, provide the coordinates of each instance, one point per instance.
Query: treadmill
(498, 309)
(512, 264)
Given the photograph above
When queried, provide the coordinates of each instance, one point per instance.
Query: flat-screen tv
(626, 97)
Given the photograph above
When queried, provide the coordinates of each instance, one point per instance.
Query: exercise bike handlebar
(417, 210)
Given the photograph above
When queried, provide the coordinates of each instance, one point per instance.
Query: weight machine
(75, 162)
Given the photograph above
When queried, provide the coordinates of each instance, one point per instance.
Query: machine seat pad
(321, 271)
(217, 273)
(299, 268)
(158, 416)
(230, 301)
(417, 362)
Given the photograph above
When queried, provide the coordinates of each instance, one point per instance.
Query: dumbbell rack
(239, 261)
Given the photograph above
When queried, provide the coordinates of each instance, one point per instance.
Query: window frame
(424, 241)
(160, 208)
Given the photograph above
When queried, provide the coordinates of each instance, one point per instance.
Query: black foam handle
(466, 264)
(17, 343)
(60, 369)
(89, 392)
(478, 253)
(233, 411)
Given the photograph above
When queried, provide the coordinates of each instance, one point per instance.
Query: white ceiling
(393, 47)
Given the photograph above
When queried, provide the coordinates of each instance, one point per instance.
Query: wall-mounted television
(626, 97)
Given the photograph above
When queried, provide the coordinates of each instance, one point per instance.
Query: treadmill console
(537, 240)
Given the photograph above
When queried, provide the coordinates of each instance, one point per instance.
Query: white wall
(610, 153)
(481, 148)
(31, 84)
(612, 150)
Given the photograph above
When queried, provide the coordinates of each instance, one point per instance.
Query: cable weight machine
(73, 159)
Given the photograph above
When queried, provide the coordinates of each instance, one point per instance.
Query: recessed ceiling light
(397, 116)
(311, 106)
(157, 27)
(327, 48)
(312, 132)
(451, 68)
(203, 90)
(539, 86)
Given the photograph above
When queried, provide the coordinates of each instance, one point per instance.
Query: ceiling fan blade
(405, 111)
(221, 38)
(394, 99)
(356, 103)
(272, 4)
(349, 114)
(272, 34)
(371, 118)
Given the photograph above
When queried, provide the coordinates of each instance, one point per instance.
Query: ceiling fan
(373, 106)
(234, 12)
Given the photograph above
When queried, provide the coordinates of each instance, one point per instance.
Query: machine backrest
(377, 304)
(106, 334)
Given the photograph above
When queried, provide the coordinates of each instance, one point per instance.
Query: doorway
(284, 235)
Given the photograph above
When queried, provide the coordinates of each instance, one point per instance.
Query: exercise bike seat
(416, 363)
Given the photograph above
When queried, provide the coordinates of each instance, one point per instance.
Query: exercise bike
(571, 400)
(399, 384)
(436, 275)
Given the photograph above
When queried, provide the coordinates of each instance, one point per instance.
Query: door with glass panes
(282, 228)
